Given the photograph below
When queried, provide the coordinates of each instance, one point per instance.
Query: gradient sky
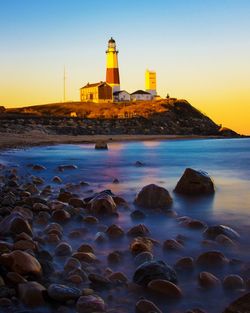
(200, 50)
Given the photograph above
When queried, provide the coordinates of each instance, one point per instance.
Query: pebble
(165, 288)
(208, 280)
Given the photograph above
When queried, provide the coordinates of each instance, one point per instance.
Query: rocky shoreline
(54, 257)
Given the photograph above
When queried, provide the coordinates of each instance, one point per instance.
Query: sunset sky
(200, 50)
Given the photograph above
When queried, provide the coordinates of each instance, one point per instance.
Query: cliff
(164, 117)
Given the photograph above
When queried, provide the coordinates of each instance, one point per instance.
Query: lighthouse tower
(112, 71)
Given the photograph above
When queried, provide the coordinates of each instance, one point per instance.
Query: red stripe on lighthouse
(112, 76)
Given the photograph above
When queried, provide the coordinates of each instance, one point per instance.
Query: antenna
(64, 85)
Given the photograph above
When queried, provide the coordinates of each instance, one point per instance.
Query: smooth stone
(184, 264)
(101, 145)
(57, 180)
(40, 207)
(143, 257)
(102, 204)
(212, 259)
(141, 244)
(213, 231)
(31, 293)
(63, 293)
(87, 257)
(85, 248)
(61, 216)
(75, 279)
(165, 288)
(115, 231)
(90, 304)
(194, 182)
(225, 241)
(208, 280)
(233, 282)
(99, 280)
(152, 270)
(90, 219)
(63, 249)
(71, 264)
(138, 230)
(38, 167)
(21, 262)
(153, 197)
(15, 223)
(25, 245)
(76, 202)
(67, 167)
(172, 245)
(114, 257)
(146, 306)
(196, 224)
(118, 277)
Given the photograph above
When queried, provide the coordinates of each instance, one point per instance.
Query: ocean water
(227, 161)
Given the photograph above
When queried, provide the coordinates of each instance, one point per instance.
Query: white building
(141, 95)
(120, 96)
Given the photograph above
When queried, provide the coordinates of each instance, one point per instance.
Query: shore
(12, 141)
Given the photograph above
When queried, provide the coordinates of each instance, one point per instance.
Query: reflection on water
(227, 161)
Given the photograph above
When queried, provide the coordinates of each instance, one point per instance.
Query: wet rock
(99, 281)
(102, 204)
(143, 257)
(21, 262)
(196, 224)
(165, 288)
(141, 244)
(90, 219)
(57, 180)
(63, 293)
(194, 182)
(71, 264)
(139, 164)
(37, 180)
(208, 280)
(43, 217)
(37, 207)
(87, 257)
(212, 259)
(213, 231)
(152, 270)
(77, 203)
(53, 227)
(64, 196)
(101, 145)
(85, 248)
(61, 168)
(233, 282)
(114, 257)
(61, 216)
(75, 279)
(15, 223)
(38, 167)
(25, 245)
(31, 293)
(138, 230)
(63, 249)
(137, 215)
(225, 241)
(241, 305)
(118, 277)
(146, 306)
(172, 245)
(153, 197)
(100, 237)
(185, 264)
(115, 231)
(90, 304)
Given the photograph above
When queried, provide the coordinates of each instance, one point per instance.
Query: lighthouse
(112, 71)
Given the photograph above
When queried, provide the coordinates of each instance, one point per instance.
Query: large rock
(90, 304)
(63, 293)
(152, 270)
(213, 231)
(102, 204)
(21, 262)
(165, 288)
(141, 244)
(31, 293)
(194, 182)
(153, 197)
(241, 305)
(212, 259)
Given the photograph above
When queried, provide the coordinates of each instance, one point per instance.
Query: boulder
(213, 231)
(143, 257)
(240, 305)
(212, 259)
(15, 223)
(185, 264)
(138, 230)
(166, 288)
(90, 304)
(115, 231)
(21, 262)
(63, 293)
(152, 270)
(172, 245)
(146, 306)
(31, 293)
(194, 182)
(233, 282)
(153, 197)
(141, 244)
(63, 249)
(102, 204)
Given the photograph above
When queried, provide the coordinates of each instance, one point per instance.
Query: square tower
(150, 82)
